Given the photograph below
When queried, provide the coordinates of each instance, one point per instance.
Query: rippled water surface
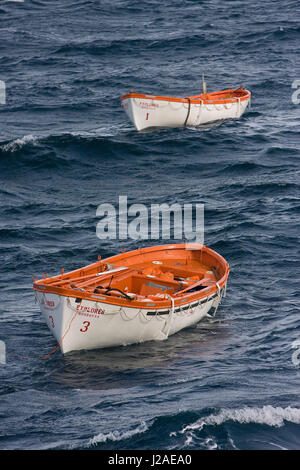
(66, 146)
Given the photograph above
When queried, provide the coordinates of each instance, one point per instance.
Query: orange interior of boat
(222, 95)
(154, 275)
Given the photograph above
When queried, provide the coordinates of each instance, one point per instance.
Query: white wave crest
(269, 415)
(17, 143)
(117, 435)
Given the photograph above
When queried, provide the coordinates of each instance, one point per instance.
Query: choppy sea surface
(66, 146)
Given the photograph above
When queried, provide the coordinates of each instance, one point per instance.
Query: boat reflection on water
(200, 127)
(141, 364)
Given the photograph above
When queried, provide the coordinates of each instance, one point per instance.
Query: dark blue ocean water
(66, 146)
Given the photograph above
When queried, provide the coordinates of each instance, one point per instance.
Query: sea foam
(268, 415)
(117, 435)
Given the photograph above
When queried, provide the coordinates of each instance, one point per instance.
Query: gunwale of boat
(216, 97)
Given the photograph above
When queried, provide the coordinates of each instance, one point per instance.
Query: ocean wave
(98, 144)
(117, 46)
(267, 415)
(17, 144)
(280, 151)
(193, 435)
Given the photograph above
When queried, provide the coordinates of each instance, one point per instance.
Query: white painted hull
(146, 112)
(92, 325)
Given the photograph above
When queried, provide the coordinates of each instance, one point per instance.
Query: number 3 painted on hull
(86, 325)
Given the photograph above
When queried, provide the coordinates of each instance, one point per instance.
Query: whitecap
(268, 415)
(17, 143)
(117, 435)
(210, 444)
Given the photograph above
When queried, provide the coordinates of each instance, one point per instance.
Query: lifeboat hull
(81, 326)
(79, 319)
(146, 111)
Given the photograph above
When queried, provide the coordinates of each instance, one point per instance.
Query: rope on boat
(239, 107)
(188, 113)
(158, 317)
(218, 300)
(171, 314)
(146, 320)
(228, 105)
(198, 118)
(123, 314)
(58, 345)
(180, 312)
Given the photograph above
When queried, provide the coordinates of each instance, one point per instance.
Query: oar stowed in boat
(193, 286)
(90, 277)
(103, 274)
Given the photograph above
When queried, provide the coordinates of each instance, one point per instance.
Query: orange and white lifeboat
(142, 295)
(148, 111)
